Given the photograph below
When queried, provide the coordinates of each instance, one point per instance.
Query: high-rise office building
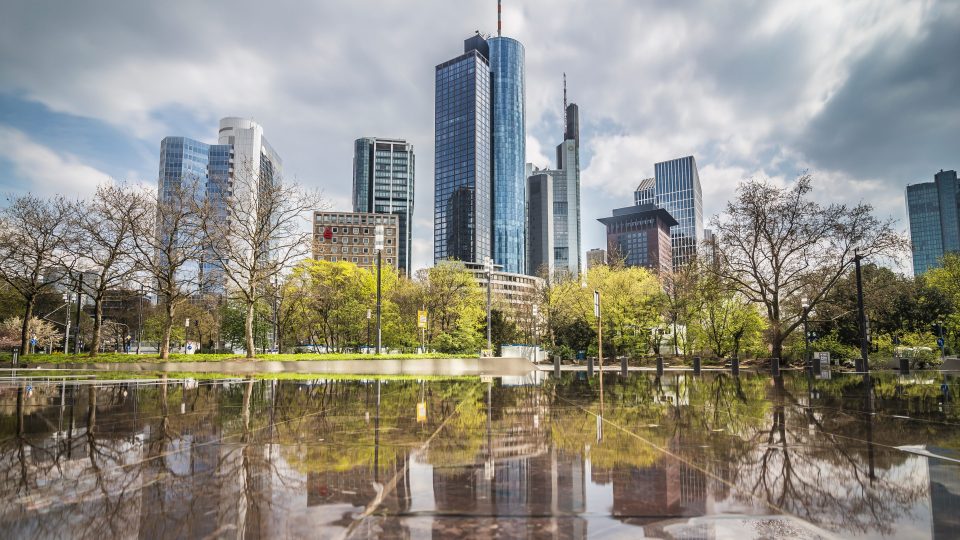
(553, 206)
(933, 210)
(675, 187)
(479, 180)
(383, 183)
(508, 152)
(462, 160)
(242, 160)
(640, 235)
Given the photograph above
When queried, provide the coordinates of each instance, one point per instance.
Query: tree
(946, 281)
(44, 332)
(684, 300)
(454, 302)
(34, 235)
(777, 246)
(631, 303)
(168, 243)
(106, 225)
(727, 320)
(256, 233)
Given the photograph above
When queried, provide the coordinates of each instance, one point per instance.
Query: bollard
(556, 365)
(590, 367)
(775, 366)
(659, 365)
(904, 366)
(735, 366)
(696, 365)
(623, 365)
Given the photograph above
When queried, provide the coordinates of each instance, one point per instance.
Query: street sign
(422, 412)
(596, 304)
(421, 319)
(823, 360)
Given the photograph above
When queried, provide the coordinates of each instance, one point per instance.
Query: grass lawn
(120, 358)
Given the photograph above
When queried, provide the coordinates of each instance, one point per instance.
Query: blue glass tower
(509, 153)
(462, 162)
(677, 190)
(933, 209)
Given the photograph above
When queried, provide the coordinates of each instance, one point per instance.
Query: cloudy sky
(864, 95)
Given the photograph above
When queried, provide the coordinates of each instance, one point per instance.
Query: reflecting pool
(679, 456)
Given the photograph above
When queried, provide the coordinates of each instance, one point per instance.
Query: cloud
(45, 172)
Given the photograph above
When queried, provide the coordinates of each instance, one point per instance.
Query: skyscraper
(933, 210)
(479, 175)
(553, 206)
(242, 159)
(383, 183)
(677, 190)
(639, 235)
(462, 160)
(509, 153)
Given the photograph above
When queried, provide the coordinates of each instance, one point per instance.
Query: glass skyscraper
(933, 210)
(480, 180)
(509, 153)
(677, 190)
(383, 182)
(462, 160)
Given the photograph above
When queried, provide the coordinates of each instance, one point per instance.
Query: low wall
(410, 366)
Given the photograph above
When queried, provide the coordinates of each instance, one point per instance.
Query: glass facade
(509, 153)
(462, 161)
(383, 183)
(932, 210)
(677, 190)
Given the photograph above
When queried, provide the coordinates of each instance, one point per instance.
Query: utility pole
(864, 364)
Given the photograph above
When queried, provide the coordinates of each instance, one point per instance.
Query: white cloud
(46, 172)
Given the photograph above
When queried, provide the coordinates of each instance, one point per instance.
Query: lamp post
(186, 333)
(276, 320)
(805, 307)
(863, 364)
(140, 319)
(536, 337)
(76, 345)
(66, 334)
(488, 268)
(369, 315)
(378, 245)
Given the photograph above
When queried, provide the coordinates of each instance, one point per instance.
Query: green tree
(631, 299)
(946, 282)
(455, 303)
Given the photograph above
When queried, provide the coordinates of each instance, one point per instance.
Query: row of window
(357, 260)
(361, 219)
(356, 250)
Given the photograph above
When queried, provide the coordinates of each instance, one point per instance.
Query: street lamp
(369, 315)
(805, 307)
(863, 364)
(186, 333)
(66, 334)
(488, 268)
(378, 245)
(140, 319)
(536, 316)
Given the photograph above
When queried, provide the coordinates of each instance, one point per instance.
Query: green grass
(123, 375)
(119, 358)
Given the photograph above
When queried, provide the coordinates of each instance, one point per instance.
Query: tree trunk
(167, 328)
(248, 330)
(777, 341)
(97, 325)
(25, 327)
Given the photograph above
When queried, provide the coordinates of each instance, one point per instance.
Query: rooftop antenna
(499, 19)
(564, 100)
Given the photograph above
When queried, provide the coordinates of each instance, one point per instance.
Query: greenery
(208, 357)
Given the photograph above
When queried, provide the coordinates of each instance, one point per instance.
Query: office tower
(462, 161)
(645, 192)
(553, 205)
(640, 236)
(242, 159)
(351, 237)
(933, 210)
(596, 257)
(508, 152)
(383, 182)
(677, 190)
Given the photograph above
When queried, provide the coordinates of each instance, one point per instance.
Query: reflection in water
(678, 456)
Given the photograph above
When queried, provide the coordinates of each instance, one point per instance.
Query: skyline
(859, 95)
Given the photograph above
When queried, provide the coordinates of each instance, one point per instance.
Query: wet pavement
(678, 456)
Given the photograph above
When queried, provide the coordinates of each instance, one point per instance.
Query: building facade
(462, 160)
(515, 293)
(677, 190)
(596, 257)
(640, 236)
(645, 192)
(933, 210)
(351, 237)
(383, 183)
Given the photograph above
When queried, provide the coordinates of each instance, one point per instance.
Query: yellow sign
(422, 411)
(421, 319)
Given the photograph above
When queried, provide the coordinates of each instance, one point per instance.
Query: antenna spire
(499, 19)
(564, 100)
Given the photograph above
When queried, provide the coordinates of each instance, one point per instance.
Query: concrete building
(351, 236)
(933, 210)
(640, 236)
(675, 187)
(383, 183)
(596, 257)
(515, 293)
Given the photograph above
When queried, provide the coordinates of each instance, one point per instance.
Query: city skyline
(793, 88)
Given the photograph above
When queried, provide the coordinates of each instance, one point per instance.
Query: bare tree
(107, 224)
(168, 243)
(776, 245)
(255, 232)
(34, 234)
